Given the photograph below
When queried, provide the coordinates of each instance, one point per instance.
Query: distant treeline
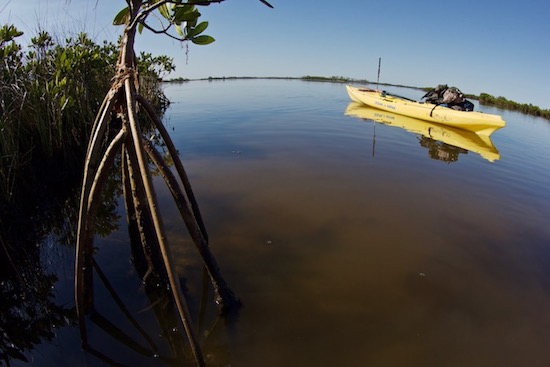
(502, 102)
(334, 79)
(222, 78)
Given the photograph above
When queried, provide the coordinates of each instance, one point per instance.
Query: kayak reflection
(443, 142)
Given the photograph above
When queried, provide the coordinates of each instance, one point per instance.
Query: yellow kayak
(477, 122)
(462, 139)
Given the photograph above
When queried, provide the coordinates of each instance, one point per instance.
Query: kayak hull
(477, 122)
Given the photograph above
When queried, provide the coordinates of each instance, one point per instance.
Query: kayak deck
(477, 122)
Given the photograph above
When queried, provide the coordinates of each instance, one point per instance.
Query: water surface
(348, 243)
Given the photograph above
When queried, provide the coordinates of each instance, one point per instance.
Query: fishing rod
(384, 93)
(378, 77)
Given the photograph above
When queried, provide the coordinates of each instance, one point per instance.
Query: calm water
(348, 244)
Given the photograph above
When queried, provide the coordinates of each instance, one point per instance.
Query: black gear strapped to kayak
(450, 97)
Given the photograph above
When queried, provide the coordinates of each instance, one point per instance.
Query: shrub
(50, 94)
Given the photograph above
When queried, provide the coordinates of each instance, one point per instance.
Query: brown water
(346, 242)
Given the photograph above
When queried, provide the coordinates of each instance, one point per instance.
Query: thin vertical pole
(378, 77)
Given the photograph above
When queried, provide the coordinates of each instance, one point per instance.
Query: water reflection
(339, 259)
(443, 143)
(29, 311)
(131, 337)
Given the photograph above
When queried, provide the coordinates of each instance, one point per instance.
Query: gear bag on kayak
(451, 97)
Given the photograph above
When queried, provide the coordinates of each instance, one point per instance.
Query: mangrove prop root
(123, 307)
(83, 268)
(103, 170)
(157, 222)
(175, 158)
(141, 224)
(143, 215)
(224, 297)
(84, 248)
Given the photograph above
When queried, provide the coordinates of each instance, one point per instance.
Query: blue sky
(490, 46)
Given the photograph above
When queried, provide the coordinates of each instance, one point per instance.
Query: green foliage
(178, 18)
(50, 94)
(8, 47)
(151, 71)
(65, 85)
(202, 40)
(122, 17)
(181, 16)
